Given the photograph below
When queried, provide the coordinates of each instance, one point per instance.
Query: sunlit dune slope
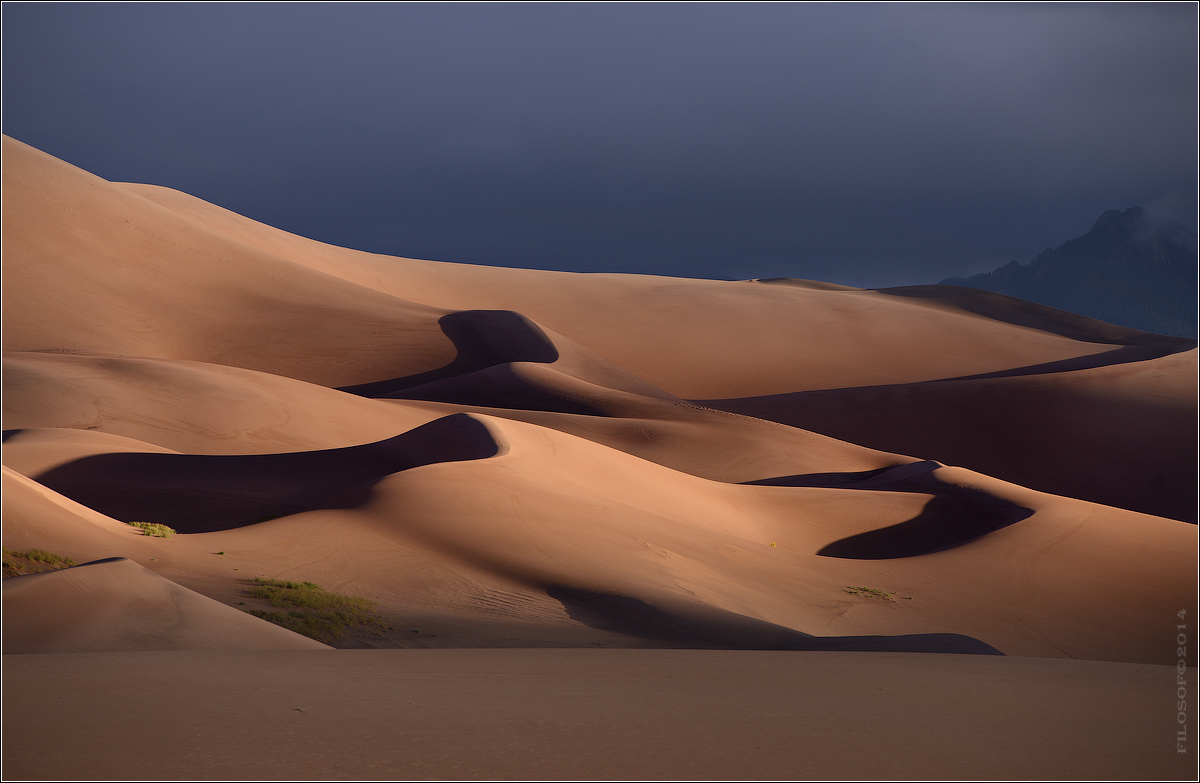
(190, 406)
(770, 339)
(630, 547)
(112, 605)
(201, 408)
(523, 458)
(132, 278)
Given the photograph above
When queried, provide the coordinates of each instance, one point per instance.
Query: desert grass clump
(871, 592)
(153, 529)
(314, 611)
(33, 561)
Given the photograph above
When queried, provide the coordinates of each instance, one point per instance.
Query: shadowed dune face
(954, 515)
(1111, 431)
(525, 458)
(506, 386)
(483, 338)
(491, 346)
(692, 624)
(946, 521)
(201, 493)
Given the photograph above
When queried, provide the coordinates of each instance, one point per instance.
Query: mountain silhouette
(1130, 269)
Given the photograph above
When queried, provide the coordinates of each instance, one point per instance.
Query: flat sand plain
(686, 528)
(586, 714)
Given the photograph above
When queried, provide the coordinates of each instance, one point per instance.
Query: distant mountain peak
(1130, 269)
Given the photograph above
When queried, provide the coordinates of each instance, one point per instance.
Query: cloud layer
(864, 144)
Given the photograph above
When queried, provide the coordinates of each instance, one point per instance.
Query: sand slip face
(1120, 433)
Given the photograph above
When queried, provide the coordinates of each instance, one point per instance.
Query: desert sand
(691, 529)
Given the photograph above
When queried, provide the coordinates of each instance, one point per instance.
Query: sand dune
(210, 409)
(116, 604)
(720, 564)
(864, 337)
(552, 511)
(190, 406)
(1121, 434)
(506, 458)
(201, 493)
(132, 278)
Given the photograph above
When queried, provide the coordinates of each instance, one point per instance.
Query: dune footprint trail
(522, 458)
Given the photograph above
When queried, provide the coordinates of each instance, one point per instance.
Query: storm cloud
(863, 144)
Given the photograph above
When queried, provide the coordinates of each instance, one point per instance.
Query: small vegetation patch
(33, 561)
(153, 529)
(871, 592)
(314, 611)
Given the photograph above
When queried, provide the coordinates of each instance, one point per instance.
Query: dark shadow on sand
(953, 516)
(203, 493)
(489, 343)
(679, 622)
(498, 386)
(483, 338)
(947, 521)
(1123, 355)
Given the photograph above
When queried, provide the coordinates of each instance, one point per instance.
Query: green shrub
(313, 610)
(153, 529)
(33, 561)
(871, 592)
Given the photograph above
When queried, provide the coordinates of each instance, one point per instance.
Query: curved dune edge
(953, 516)
(32, 452)
(207, 409)
(1119, 434)
(188, 406)
(36, 517)
(115, 604)
(200, 493)
(486, 339)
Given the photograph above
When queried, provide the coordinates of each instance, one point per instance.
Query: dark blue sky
(864, 144)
